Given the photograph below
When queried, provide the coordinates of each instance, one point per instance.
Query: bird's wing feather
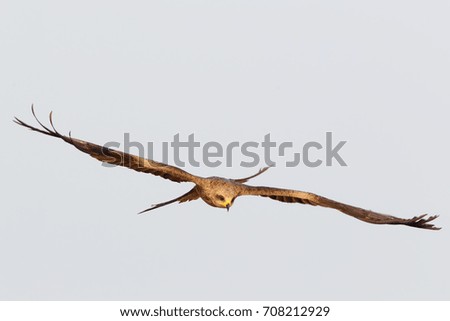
(189, 196)
(293, 196)
(115, 157)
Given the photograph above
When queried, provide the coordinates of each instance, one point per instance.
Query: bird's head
(224, 201)
(218, 192)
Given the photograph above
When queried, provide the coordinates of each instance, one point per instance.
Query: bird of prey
(221, 192)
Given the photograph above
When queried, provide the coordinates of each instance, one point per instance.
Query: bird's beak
(228, 207)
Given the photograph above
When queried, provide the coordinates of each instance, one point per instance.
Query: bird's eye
(220, 197)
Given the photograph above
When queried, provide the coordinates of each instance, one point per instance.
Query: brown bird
(222, 192)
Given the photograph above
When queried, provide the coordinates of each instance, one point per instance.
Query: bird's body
(217, 191)
(221, 192)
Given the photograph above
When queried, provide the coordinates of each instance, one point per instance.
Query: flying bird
(218, 191)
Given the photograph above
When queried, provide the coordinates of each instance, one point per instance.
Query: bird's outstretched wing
(115, 157)
(292, 196)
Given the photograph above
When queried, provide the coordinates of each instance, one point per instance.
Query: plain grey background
(375, 74)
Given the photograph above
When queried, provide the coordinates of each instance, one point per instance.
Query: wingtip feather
(422, 221)
(152, 207)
